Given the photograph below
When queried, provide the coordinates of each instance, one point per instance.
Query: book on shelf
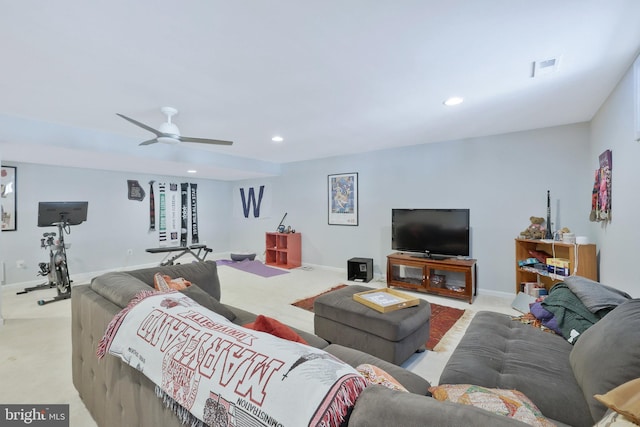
(533, 289)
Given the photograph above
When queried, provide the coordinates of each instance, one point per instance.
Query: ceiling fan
(168, 132)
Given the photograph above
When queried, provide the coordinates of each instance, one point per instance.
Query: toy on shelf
(535, 230)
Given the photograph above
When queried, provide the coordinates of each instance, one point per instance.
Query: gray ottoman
(392, 336)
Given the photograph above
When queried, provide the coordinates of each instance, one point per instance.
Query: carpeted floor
(443, 318)
(35, 341)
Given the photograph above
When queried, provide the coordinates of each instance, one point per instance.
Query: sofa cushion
(118, 287)
(203, 274)
(380, 406)
(497, 352)
(509, 403)
(594, 295)
(607, 354)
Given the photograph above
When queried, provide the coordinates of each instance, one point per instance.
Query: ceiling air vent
(545, 67)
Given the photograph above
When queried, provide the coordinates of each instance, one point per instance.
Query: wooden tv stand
(453, 277)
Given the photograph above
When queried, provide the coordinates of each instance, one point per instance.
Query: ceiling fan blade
(142, 125)
(149, 142)
(205, 140)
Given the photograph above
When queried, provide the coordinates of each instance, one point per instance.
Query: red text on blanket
(197, 352)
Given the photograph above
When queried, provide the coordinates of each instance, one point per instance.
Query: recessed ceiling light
(192, 171)
(277, 139)
(454, 100)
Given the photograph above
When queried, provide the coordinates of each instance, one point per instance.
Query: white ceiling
(331, 77)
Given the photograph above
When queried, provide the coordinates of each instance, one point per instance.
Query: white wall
(619, 241)
(114, 223)
(503, 180)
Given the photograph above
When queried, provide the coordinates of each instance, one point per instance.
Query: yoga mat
(253, 267)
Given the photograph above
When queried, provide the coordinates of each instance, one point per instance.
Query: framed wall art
(636, 97)
(343, 199)
(8, 193)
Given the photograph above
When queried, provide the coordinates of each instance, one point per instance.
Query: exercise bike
(55, 270)
(62, 215)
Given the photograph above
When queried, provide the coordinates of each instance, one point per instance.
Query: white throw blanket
(224, 374)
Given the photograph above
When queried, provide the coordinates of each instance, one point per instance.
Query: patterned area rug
(443, 318)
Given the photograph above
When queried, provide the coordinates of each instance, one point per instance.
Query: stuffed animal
(535, 230)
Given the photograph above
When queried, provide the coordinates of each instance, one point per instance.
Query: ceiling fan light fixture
(168, 133)
(167, 139)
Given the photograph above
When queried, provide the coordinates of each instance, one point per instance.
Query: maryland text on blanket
(214, 368)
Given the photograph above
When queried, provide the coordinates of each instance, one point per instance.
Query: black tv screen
(68, 213)
(431, 231)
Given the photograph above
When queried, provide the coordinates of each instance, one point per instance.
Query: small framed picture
(8, 193)
(343, 199)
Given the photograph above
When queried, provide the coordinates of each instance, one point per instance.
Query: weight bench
(194, 250)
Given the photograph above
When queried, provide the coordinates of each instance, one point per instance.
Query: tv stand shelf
(450, 277)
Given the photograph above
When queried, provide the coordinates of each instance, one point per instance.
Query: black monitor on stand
(68, 213)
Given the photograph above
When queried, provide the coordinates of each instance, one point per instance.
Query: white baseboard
(84, 278)
(499, 294)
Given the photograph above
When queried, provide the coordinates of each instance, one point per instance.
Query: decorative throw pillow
(510, 403)
(374, 375)
(624, 399)
(275, 328)
(164, 283)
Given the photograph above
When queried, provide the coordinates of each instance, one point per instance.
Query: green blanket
(572, 315)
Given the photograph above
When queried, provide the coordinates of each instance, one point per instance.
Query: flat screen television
(438, 233)
(68, 213)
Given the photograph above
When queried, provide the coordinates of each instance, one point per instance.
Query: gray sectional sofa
(116, 394)
(558, 377)
(495, 352)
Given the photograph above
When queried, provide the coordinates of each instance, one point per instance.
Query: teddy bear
(535, 230)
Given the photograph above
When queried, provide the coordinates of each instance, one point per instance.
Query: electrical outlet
(20, 263)
(129, 251)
